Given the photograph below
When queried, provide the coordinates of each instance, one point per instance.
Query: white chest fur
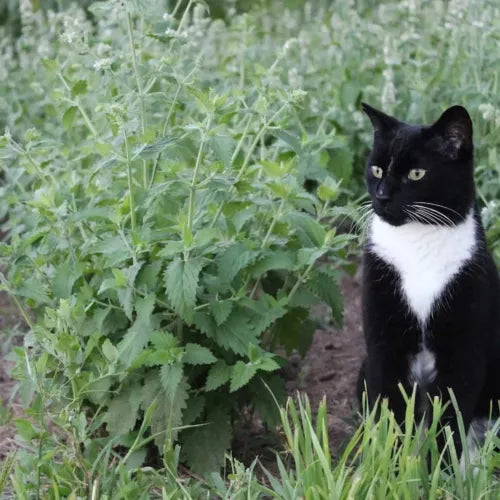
(426, 257)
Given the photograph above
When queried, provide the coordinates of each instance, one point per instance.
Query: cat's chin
(393, 220)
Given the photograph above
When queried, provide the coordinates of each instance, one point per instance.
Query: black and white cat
(431, 292)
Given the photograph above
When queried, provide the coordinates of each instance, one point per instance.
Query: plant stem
(192, 188)
(139, 90)
(76, 102)
(129, 178)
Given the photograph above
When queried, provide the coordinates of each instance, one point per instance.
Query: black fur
(464, 330)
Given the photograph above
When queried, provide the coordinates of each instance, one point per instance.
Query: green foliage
(158, 232)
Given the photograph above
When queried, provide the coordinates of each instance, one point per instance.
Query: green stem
(23, 312)
(139, 90)
(300, 280)
(76, 102)
(129, 178)
(194, 180)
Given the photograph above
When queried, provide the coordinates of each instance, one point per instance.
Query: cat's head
(421, 173)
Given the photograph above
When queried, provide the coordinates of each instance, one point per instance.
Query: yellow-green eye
(377, 172)
(415, 174)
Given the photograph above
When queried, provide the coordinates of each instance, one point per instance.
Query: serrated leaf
(171, 376)
(221, 309)
(196, 354)
(295, 331)
(79, 88)
(218, 375)
(241, 373)
(33, 288)
(326, 286)
(234, 334)
(181, 282)
(204, 447)
(163, 340)
(233, 260)
(138, 334)
(123, 410)
(69, 117)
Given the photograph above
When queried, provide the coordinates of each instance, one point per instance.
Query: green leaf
(156, 148)
(163, 340)
(223, 147)
(233, 260)
(289, 139)
(241, 373)
(138, 334)
(310, 232)
(171, 376)
(234, 334)
(295, 331)
(272, 260)
(181, 282)
(120, 278)
(325, 285)
(219, 374)
(340, 163)
(64, 279)
(79, 88)
(196, 354)
(25, 428)
(110, 351)
(167, 416)
(221, 309)
(69, 117)
(328, 190)
(204, 447)
(123, 410)
(33, 288)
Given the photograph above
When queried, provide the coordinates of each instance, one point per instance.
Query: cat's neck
(426, 257)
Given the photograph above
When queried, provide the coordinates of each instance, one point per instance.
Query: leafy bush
(161, 237)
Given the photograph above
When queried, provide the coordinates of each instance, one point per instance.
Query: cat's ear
(381, 122)
(453, 132)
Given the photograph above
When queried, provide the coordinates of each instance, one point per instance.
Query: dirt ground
(329, 369)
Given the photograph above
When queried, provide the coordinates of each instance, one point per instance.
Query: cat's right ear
(381, 122)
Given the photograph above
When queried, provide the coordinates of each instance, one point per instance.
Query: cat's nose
(382, 196)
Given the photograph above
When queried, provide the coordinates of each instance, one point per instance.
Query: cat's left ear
(382, 123)
(453, 132)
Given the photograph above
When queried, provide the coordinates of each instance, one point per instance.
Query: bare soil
(330, 368)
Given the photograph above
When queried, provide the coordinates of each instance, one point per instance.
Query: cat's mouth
(391, 216)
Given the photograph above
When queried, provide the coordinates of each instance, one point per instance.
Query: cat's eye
(377, 172)
(415, 174)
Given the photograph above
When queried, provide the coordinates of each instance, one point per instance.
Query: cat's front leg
(464, 381)
(382, 376)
